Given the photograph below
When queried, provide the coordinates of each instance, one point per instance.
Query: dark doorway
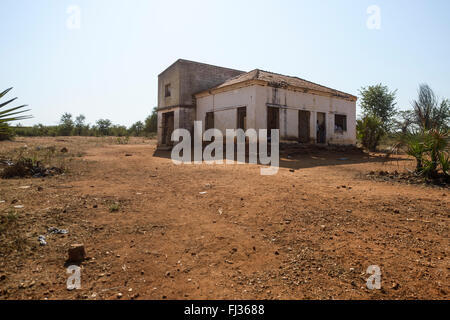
(242, 118)
(273, 120)
(168, 127)
(321, 127)
(303, 126)
(209, 121)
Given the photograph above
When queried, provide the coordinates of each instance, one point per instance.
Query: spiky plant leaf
(11, 114)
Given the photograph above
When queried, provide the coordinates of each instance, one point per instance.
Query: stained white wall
(224, 105)
(256, 98)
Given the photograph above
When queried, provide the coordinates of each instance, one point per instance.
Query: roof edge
(200, 63)
(255, 81)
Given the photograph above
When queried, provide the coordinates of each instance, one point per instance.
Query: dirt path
(307, 234)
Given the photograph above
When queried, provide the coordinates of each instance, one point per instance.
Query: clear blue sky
(108, 68)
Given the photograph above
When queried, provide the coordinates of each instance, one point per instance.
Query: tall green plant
(151, 123)
(429, 150)
(377, 100)
(415, 148)
(370, 130)
(435, 145)
(429, 112)
(444, 160)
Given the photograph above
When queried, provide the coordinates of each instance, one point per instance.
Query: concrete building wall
(171, 76)
(290, 102)
(185, 79)
(196, 77)
(225, 105)
(257, 98)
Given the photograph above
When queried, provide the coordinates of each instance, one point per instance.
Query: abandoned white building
(224, 98)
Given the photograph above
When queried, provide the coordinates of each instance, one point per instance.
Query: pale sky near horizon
(108, 67)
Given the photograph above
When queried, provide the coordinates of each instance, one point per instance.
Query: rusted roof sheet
(279, 80)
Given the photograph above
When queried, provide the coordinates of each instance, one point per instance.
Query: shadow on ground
(297, 156)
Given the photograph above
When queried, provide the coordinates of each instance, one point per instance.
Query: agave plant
(444, 159)
(12, 114)
(416, 149)
(436, 143)
(429, 149)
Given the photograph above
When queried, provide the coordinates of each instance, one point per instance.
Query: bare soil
(151, 231)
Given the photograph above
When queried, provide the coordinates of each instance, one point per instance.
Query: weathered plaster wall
(187, 78)
(169, 76)
(291, 101)
(224, 105)
(196, 77)
(256, 98)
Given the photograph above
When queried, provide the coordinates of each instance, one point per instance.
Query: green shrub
(444, 160)
(370, 131)
(429, 148)
(5, 132)
(114, 207)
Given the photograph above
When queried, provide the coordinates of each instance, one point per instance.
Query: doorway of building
(242, 118)
(303, 126)
(168, 123)
(321, 127)
(273, 120)
(209, 121)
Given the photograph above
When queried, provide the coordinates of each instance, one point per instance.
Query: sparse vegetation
(41, 161)
(7, 219)
(114, 207)
(11, 238)
(123, 140)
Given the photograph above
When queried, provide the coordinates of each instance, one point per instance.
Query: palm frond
(11, 114)
(5, 92)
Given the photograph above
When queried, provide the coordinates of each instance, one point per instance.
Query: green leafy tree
(370, 130)
(377, 100)
(118, 131)
(151, 123)
(137, 128)
(9, 115)
(80, 125)
(104, 126)
(66, 125)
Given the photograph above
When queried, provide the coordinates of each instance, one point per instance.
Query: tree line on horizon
(70, 126)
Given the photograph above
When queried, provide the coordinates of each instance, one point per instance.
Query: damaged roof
(282, 81)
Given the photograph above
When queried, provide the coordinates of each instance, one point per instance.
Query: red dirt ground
(307, 234)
